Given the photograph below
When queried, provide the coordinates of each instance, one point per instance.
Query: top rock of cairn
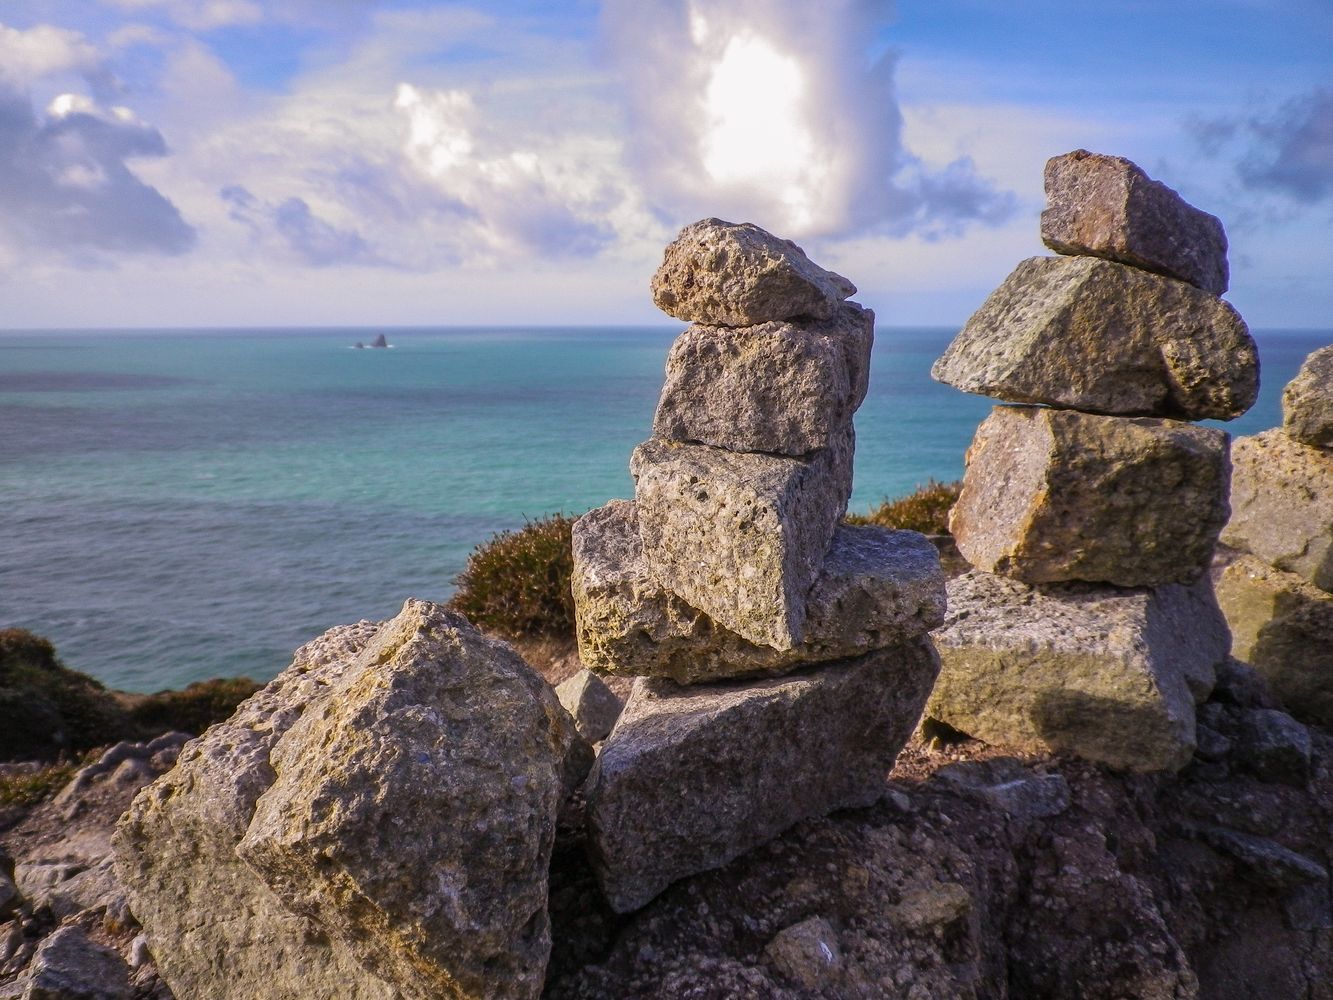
(1307, 401)
(730, 274)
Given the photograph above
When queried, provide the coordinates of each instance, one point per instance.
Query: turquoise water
(182, 505)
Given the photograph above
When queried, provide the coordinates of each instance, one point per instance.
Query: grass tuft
(518, 582)
(926, 510)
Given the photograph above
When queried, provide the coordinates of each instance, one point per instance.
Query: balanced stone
(1102, 337)
(1106, 673)
(695, 776)
(1106, 206)
(877, 588)
(739, 275)
(778, 387)
(741, 536)
(1282, 505)
(1307, 401)
(1053, 495)
(593, 706)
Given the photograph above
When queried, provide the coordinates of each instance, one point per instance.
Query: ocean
(179, 505)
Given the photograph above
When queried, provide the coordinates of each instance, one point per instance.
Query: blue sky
(318, 162)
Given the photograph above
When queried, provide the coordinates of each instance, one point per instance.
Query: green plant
(517, 583)
(191, 710)
(925, 509)
(36, 786)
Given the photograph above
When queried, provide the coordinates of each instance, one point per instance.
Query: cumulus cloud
(775, 111)
(309, 238)
(42, 51)
(198, 15)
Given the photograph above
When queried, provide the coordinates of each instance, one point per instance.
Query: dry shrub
(926, 509)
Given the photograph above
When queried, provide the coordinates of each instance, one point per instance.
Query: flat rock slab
(741, 537)
(785, 388)
(1282, 505)
(1102, 337)
(733, 274)
(1104, 673)
(692, 777)
(1307, 401)
(1055, 495)
(69, 965)
(1281, 625)
(877, 588)
(1106, 206)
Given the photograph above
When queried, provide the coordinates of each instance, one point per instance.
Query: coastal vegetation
(925, 509)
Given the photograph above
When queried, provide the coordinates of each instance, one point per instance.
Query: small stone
(1055, 495)
(593, 706)
(1307, 401)
(806, 954)
(934, 904)
(741, 537)
(1007, 785)
(1274, 746)
(97, 888)
(1210, 745)
(1108, 207)
(70, 966)
(877, 588)
(781, 388)
(37, 879)
(1263, 860)
(140, 955)
(1090, 335)
(1282, 505)
(734, 274)
(695, 776)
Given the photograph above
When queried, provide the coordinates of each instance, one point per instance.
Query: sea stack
(1090, 511)
(782, 657)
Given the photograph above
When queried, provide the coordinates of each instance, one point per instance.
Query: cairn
(1091, 510)
(781, 656)
(1275, 580)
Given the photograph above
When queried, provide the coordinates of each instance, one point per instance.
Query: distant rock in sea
(360, 346)
(379, 341)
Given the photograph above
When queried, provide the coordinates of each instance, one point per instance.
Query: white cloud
(41, 51)
(199, 15)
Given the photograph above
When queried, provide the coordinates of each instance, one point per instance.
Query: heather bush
(518, 582)
(926, 509)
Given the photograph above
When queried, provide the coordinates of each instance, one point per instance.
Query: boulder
(1274, 746)
(1101, 337)
(695, 776)
(741, 537)
(1282, 505)
(1104, 673)
(1283, 627)
(1307, 401)
(1106, 206)
(877, 588)
(593, 706)
(1055, 495)
(68, 965)
(783, 388)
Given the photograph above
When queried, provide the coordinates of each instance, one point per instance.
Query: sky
(205, 163)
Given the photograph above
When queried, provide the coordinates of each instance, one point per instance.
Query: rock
(877, 588)
(733, 274)
(1007, 785)
(1053, 495)
(593, 706)
(741, 537)
(1108, 207)
(69, 966)
(932, 904)
(779, 387)
(1104, 673)
(379, 341)
(97, 888)
(1263, 860)
(806, 954)
(36, 880)
(695, 776)
(9, 895)
(1283, 627)
(1307, 401)
(1275, 746)
(1100, 337)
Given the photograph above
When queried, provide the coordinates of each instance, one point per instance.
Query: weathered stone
(445, 756)
(70, 966)
(1104, 673)
(695, 776)
(782, 388)
(806, 954)
(1263, 860)
(1283, 627)
(1101, 337)
(741, 537)
(593, 706)
(1052, 495)
(735, 274)
(877, 588)
(1274, 746)
(932, 904)
(1006, 784)
(9, 895)
(1108, 207)
(1282, 505)
(1307, 401)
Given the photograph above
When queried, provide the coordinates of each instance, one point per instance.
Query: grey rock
(97, 888)
(806, 954)
(1007, 785)
(1210, 745)
(695, 776)
(1105, 673)
(1282, 505)
(37, 879)
(739, 275)
(1108, 207)
(70, 966)
(593, 706)
(1307, 401)
(877, 588)
(783, 388)
(741, 537)
(1274, 746)
(932, 905)
(1055, 495)
(1264, 860)
(1100, 337)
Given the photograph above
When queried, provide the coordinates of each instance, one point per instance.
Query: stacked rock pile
(1088, 623)
(1276, 585)
(781, 656)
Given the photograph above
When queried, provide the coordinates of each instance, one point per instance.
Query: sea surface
(178, 505)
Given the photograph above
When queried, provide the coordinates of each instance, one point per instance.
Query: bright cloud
(198, 15)
(43, 51)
